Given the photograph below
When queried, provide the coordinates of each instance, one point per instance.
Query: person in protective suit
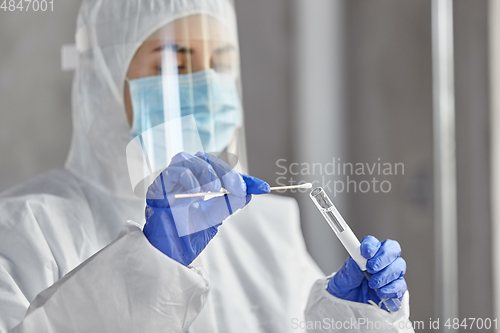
(157, 101)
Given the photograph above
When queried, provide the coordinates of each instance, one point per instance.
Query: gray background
(355, 74)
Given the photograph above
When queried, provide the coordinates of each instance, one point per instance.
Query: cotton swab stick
(201, 194)
(224, 191)
(279, 188)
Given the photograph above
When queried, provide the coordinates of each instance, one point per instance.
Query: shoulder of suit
(55, 193)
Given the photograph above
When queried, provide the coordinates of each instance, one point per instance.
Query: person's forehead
(194, 27)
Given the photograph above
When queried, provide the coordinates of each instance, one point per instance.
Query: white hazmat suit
(70, 261)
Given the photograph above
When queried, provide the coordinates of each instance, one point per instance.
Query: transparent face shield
(182, 94)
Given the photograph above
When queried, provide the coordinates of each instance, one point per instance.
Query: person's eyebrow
(224, 49)
(174, 47)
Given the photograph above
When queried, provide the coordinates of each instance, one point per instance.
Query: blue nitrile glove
(181, 228)
(385, 265)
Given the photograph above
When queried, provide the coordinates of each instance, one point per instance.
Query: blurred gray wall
(473, 158)
(264, 31)
(35, 95)
(389, 111)
(318, 116)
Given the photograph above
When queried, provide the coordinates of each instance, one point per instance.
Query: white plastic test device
(347, 237)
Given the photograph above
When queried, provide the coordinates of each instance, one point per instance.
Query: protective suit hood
(109, 32)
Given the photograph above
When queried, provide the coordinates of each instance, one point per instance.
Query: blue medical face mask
(212, 98)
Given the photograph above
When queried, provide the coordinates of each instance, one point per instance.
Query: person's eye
(182, 63)
(181, 69)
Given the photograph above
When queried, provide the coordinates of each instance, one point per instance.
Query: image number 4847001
(27, 5)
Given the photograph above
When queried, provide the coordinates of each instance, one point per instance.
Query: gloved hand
(182, 228)
(385, 265)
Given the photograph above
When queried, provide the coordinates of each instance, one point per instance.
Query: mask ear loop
(132, 104)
